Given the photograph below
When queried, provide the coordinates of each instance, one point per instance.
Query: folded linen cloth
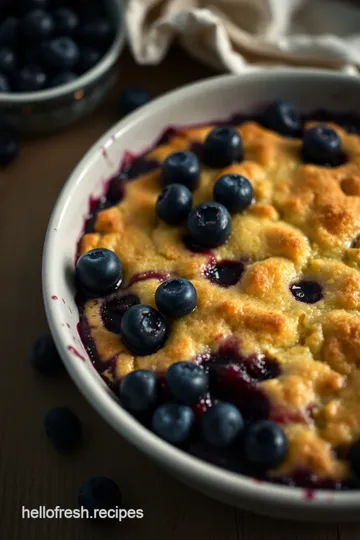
(233, 35)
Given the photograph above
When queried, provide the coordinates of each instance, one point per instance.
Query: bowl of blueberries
(58, 59)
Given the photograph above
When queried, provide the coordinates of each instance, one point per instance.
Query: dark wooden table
(32, 473)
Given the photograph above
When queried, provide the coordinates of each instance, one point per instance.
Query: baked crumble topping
(278, 302)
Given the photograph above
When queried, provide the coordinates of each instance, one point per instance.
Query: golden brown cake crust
(303, 225)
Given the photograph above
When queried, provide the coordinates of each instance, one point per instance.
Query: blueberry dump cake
(219, 293)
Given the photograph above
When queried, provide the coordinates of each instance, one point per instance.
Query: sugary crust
(304, 225)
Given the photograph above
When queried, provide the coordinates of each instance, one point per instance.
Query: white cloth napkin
(230, 35)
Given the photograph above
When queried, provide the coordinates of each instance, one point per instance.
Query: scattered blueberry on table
(63, 428)
(132, 98)
(100, 493)
(45, 357)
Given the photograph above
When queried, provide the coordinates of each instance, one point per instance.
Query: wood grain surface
(32, 473)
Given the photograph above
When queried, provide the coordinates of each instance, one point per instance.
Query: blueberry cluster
(209, 223)
(222, 426)
(144, 329)
(48, 43)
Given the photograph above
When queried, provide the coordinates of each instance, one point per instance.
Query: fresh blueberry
(173, 422)
(174, 204)
(309, 292)
(221, 425)
(132, 98)
(99, 31)
(222, 147)
(282, 117)
(265, 444)
(100, 494)
(143, 330)
(37, 26)
(63, 428)
(181, 168)
(321, 146)
(354, 457)
(233, 191)
(209, 224)
(65, 22)
(9, 29)
(64, 77)
(45, 357)
(89, 57)
(4, 84)
(62, 53)
(98, 272)
(31, 78)
(139, 391)
(176, 298)
(8, 60)
(186, 382)
(9, 147)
